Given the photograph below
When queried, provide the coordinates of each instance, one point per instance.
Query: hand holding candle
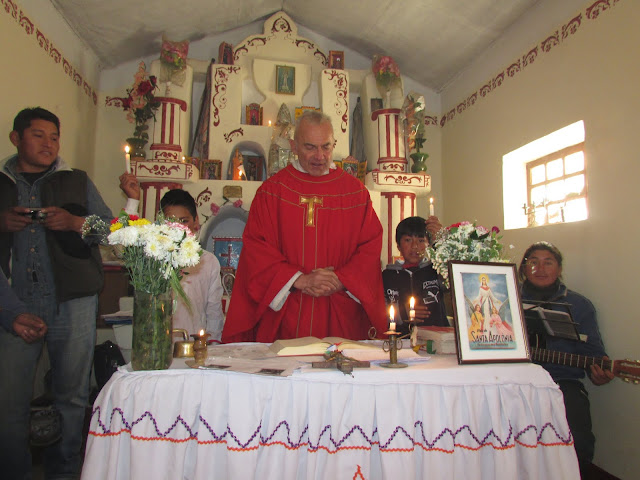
(432, 210)
(127, 160)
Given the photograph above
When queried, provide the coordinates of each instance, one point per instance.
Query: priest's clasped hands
(319, 283)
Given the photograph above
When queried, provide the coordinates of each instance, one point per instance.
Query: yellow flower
(115, 226)
(140, 221)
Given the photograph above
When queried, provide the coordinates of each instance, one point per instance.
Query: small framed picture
(253, 114)
(210, 169)
(350, 166)
(254, 167)
(488, 320)
(285, 79)
(336, 59)
(338, 163)
(376, 104)
(225, 53)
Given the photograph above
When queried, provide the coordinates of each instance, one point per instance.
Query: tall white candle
(432, 210)
(392, 323)
(412, 311)
(127, 159)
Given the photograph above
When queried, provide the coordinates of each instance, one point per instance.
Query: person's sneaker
(46, 426)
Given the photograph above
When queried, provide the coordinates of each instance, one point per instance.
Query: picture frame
(336, 59)
(285, 80)
(210, 169)
(338, 163)
(350, 166)
(253, 113)
(487, 313)
(254, 167)
(376, 104)
(225, 53)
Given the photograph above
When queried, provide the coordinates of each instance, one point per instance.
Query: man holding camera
(57, 275)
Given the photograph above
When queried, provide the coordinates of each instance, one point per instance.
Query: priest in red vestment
(310, 262)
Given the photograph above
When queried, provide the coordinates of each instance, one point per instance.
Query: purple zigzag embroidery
(326, 433)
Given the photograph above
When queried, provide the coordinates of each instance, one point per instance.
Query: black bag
(106, 360)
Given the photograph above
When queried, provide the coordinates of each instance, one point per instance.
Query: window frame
(545, 160)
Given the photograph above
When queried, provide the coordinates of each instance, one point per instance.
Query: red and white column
(391, 151)
(166, 131)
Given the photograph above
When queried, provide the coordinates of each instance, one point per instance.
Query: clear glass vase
(151, 343)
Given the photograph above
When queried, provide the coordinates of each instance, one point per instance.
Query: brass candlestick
(391, 346)
(200, 348)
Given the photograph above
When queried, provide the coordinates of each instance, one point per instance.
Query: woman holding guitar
(540, 273)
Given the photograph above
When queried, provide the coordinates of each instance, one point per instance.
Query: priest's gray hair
(312, 116)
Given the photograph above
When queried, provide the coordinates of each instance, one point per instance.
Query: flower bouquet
(387, 75)
(140, 105)
(464, 241)
(154, 254)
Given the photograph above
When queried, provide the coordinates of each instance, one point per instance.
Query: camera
(36, 214)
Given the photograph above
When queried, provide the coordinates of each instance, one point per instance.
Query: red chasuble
(299, 222)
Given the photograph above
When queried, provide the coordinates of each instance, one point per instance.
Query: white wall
(33, 78)
(590, 76)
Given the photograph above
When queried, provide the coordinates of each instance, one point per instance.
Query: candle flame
(431, 200)
(391, 313)
(201, 332)
(412, 302)
(126, 149)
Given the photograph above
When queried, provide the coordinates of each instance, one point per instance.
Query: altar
(434, 419)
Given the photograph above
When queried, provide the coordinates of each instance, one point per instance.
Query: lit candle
(392, 323)
(412, 311)
(432, 210)
(127, 159)
(201, 333)
(269, 122)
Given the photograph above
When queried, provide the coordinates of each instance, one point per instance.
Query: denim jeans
(70, 342)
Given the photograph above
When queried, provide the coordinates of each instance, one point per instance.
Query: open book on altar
(315, 346)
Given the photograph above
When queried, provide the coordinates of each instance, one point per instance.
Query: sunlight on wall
(514, 170)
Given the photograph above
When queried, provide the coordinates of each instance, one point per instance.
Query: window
(557, 187)
(544, 182)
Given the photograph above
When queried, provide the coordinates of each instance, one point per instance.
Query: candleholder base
(394, 365)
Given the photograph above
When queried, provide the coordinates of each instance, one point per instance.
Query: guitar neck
(569, 359)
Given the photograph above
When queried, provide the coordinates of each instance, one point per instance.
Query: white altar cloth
(435, 419)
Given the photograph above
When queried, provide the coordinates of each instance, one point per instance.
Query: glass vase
(419, 159)
(151, 343)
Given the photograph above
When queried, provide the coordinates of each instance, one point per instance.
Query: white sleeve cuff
(278, 301)
(132, 206)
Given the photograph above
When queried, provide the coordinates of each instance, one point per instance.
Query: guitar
(627, 370)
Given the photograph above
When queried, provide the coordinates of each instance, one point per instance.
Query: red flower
(134, 217)
(145, 87)
(495, 230)
(126, 103)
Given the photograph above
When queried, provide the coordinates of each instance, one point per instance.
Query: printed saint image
(489, 322)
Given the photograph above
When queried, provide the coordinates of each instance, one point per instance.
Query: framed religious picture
(350, 165)
(225, 53)
(338, 163)
(336, 59)
(227, 251)
(253, 114)
(210, 169)
(488, 320)
(376, 104)
(254, 167)
(285, 79)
